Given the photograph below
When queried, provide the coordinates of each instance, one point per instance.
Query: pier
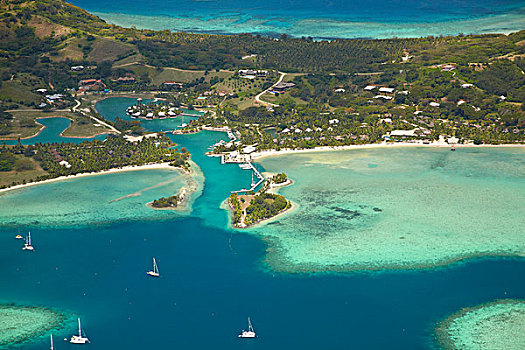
(254, 185)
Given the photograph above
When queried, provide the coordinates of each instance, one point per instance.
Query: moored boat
(79, 339)
(250, 333)
(27, 245)
(155, 271)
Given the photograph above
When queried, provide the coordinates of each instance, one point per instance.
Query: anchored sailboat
(155, 272)
(250, 333)
(27, 245)
(79, 339)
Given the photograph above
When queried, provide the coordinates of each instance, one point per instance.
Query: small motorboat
(18, 237)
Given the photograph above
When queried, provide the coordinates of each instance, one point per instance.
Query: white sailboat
(52, 347)
(79, 339)
(155, 272)
(250, 333)
(27, 245)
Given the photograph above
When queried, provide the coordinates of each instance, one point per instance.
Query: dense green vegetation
(280, 178)
(166, 202)
(60, 159)
(42, 40)
(262, 205)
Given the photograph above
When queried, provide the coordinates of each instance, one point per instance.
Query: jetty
(254, 185)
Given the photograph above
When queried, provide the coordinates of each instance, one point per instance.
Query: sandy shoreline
(273, 153)
(110, 171)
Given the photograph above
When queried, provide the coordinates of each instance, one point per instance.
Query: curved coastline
(19, 324)
(110, 171)
(355, 219)
(319, 28)
(495, 325)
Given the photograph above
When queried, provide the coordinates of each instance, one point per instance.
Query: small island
(153, 110)
(252, 208)
(21, 323)
(496, 325)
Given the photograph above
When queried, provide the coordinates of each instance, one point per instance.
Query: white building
(387, 90)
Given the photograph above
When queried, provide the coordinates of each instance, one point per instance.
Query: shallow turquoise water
(213, 278)
(51, 133)
(92, 200)
(318, 19)
(398, 208)
(111, 108)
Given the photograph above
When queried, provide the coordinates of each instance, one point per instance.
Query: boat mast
(250, 328)
(155, 268)
(29, 238)
(79, 328)
(52, 347)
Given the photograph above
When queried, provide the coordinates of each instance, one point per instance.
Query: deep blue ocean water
(316, 18)
(213, 278)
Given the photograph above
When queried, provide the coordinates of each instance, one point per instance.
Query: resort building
(370, 87)
(282, 86)
(386, 90)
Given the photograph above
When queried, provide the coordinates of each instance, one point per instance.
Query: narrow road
(258, 97)
(111, 127)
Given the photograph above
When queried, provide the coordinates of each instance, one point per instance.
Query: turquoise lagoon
(377, 209)
(53, 127)
(213, 277)
(111, 108)
(318, 19)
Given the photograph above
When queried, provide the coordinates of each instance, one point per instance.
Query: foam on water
(494, 326)
(397, 208)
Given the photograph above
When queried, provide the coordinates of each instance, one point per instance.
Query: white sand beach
(115, 170)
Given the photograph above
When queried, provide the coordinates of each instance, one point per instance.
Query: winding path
(258, 97)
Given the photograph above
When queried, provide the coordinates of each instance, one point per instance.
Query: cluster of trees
(280, 178)
(264, 206)
(114, 152)
(166, 202)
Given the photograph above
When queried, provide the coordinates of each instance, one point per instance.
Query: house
(464, 86)
(91, 84)
(434, 104)
(460, 102)
(285, 131)
(65, 163)
(452, 140)
(41, 91)
(249, 149)
(403, 133)
(384, 97)
(77, 68)
(447, 67)
(124, 80)
(339, 90)
(252, 74)
(370, 87)
(282, 86)
(334, 121)
(387, 90)
(173, 83)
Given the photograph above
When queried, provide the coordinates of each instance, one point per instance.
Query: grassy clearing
(32, 171)
(18, 91)
(24, 124)
(108, 50)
